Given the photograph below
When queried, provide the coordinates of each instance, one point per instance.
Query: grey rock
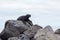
(5, 35)
(36, 27)
(21, 37)
(57, 31)
(48, 28)
(49, 33)
(13, 28)
(13, 38)
(57, 36)
(19, 25)
(31, 32)
(40, 33)
(45, 34)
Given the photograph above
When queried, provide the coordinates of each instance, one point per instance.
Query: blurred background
(43, 12)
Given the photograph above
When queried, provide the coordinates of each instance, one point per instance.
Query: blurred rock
(48, 28)
(57, 36)
(49, 33)
(57, 31)
(5, 35)
(31, 32)
(13, 28)
(21, 37)
(45, 34)
(40, 35)
(36, 27)
(19, 25)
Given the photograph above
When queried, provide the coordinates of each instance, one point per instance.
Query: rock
(36, 27)
(57, 36)
(57, 31)
(40, 34)
(14, 38)
(19, 25)
(49, 33)
(45, 34)
(5, 35)
(27, 24)
(31, 32)
(13, 28)
(48, 28)
(21, 37)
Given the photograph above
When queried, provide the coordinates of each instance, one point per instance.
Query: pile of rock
(20, 30)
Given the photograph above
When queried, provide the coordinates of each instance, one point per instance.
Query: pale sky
(43, 12)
